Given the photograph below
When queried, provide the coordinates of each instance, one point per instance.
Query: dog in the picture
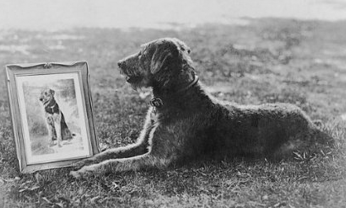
(184, 122)
(57, 127)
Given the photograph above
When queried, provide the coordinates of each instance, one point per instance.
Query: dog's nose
(121, 64)
(41, 99)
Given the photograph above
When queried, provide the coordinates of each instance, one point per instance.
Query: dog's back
(269, 130)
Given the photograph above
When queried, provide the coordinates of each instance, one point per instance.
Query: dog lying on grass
(184, 122)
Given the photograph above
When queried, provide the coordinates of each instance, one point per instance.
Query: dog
(55, 119)
(184, 122)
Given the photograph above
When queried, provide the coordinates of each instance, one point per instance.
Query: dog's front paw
(85, 172)
(78, 165)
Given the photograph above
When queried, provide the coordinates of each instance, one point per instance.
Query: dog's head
(157, 63)
(46, 96)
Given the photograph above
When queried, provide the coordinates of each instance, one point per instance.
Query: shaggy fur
(185, 122)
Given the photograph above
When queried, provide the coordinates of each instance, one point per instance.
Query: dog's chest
(55, 117)
(52, 109)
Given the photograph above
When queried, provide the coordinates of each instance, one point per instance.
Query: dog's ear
(164, 54)
(52, 92)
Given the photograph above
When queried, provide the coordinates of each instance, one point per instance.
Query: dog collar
(157, 102)
(52, 109)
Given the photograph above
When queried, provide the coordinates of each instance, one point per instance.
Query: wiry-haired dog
(57, 127)
(185, 122)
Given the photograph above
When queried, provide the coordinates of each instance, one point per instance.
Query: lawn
(268, 60)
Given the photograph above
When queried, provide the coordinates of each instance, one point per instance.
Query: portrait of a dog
(55, 124)
(57, 127)
(185, 122)
(54, 121)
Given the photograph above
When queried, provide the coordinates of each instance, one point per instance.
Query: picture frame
(52, 116)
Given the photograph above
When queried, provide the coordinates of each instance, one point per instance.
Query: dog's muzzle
(130, 77)
(44, 101)
(121, 64)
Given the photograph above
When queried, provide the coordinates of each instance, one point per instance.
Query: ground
(269, 60)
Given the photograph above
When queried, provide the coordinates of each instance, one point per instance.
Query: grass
(269, 60)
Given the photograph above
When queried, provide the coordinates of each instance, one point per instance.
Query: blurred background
(65, 14)
(285, 43)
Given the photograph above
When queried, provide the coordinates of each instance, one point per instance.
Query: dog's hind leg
(65, 131)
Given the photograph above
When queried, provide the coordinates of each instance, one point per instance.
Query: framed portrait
(51, 110)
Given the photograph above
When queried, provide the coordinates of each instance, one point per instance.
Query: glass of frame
(51, 112)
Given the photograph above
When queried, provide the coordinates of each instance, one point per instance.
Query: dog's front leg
(50, 134)
(152, 158)
(141, 147)
(57, 126)
(51, 130)
(119, 165)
